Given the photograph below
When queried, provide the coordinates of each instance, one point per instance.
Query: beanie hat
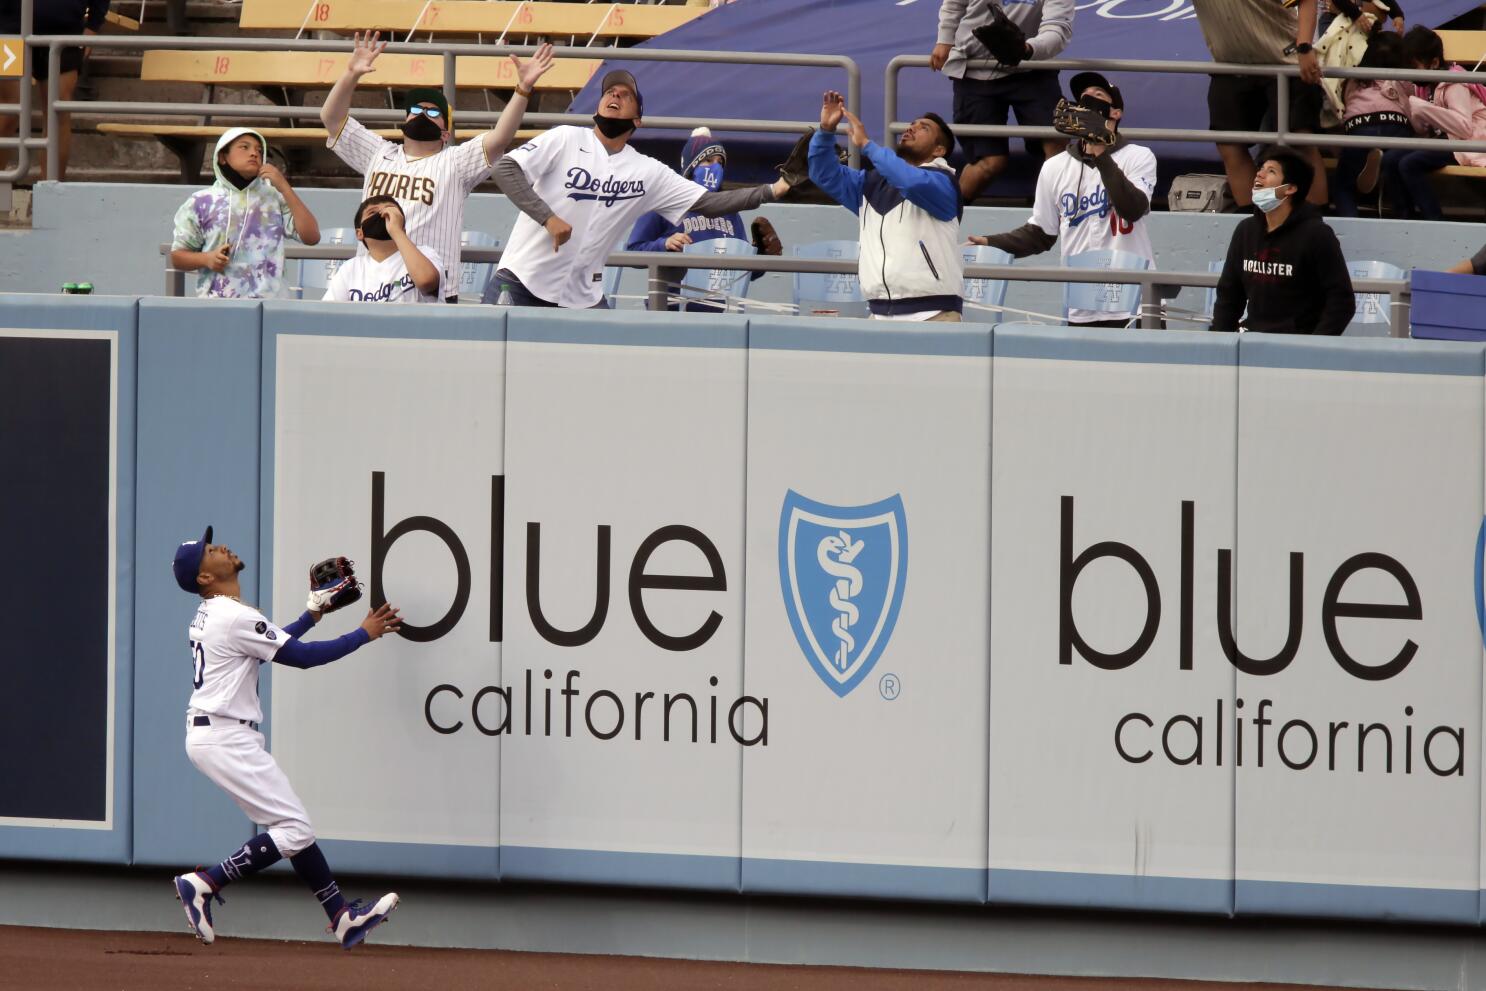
(700, 145)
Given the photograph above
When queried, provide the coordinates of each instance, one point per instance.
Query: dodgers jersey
(363, 279)
(228, 642)
(431, 190)
(1073, 206)
(600, 195)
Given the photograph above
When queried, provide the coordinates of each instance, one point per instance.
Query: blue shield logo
(842, 571)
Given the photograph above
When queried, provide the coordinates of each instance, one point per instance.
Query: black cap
(1084, 80)
(623, 77)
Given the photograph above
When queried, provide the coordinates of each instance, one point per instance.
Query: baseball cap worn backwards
(623, 77)
(428, 94)
(188, 561)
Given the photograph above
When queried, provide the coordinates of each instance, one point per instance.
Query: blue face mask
(708, 175)
(1267, 199)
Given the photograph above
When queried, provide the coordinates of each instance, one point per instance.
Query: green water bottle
(85, 288)
(69, 288)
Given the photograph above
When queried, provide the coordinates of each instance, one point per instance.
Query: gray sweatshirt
(1047, 23)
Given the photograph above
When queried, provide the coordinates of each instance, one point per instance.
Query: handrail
(450, 53)
(22, 142)
(1398, 290)
(1280, 135)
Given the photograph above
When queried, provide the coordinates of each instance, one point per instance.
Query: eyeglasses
(432, 112)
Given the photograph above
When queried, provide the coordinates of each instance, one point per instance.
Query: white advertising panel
(624, 598)
(868, 480)
(1359, 501)
(386, 744)
(1113, 491)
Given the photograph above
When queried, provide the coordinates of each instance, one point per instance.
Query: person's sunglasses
(433, 113)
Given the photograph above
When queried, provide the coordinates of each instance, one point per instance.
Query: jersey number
(199, 666)
(1118, 226)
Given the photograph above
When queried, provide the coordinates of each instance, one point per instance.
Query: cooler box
(1448, 307)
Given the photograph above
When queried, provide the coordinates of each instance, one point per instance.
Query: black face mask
(420, 128)
(375, 227)
(1102, 107)
(613, 127)
(233, 176)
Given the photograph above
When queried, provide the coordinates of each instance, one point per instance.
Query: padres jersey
(1072, 205)
(228, 642)
(601, 196)
(363, 279)
(430, 190)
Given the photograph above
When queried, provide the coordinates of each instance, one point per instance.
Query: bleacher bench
(1465, 47)
(320, 70)
(189, 142)
(493, 17)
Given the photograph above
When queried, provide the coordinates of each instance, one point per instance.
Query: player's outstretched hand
(560, 230)
(534, 68)
(381, 620)
(366, 52)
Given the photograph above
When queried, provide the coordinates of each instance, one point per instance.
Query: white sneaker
(355, 920)
(195, 894)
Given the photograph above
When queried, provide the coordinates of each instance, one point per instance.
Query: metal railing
(658, 291)
(22, 142)
(448, 52)
(1282, 134)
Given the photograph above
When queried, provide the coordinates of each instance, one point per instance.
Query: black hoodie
(1294, 279)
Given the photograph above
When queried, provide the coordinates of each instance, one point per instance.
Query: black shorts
(1246, 103)
(1030, 95)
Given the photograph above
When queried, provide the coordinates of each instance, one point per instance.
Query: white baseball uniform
(601, 196)
(228, 642)
(1072, 205)
(363, 279)
(431, 190)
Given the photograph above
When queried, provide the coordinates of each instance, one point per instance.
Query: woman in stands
(1374, 108)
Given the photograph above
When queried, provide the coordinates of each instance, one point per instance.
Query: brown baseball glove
(765, 238)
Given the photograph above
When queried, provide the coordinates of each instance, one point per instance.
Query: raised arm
(297, 654)
(424, 273)
(498, 138)
(338, 102)
(840, 183)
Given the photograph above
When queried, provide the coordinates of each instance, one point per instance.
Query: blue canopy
(873, 31)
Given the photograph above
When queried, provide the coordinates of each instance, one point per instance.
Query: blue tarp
(873, 31)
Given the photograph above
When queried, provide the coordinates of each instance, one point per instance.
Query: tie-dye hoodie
(254, 219)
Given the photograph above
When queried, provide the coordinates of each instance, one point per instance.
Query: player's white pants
(233, 756)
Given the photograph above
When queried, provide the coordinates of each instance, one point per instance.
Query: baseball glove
(1083, 122)
(1002, 37)
(333, 584)
(795, 169)
(765, 238)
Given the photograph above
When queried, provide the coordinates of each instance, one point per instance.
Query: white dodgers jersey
(601, 196)
(228, 642)
(363, 279)
(1073, 206)
(431, 190)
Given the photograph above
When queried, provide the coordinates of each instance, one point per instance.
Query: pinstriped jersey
(431, 190)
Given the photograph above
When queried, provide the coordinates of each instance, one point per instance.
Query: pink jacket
(1456, 111)
(1364, 96)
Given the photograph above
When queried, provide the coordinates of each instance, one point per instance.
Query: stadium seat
(475, 276)
(986, 292)
(315, 273)
(312, 70)
(828, 294)
(1466, 47)
(613, 276)
(1104, 297)
(1373, 310)
(722, 288)
(491, 17)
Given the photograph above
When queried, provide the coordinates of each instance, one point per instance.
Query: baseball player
(1089, 197)
(428, 174)
(394, 269)
(228, 640)
(580, 190)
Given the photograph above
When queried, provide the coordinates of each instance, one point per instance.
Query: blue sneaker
(355, 920)
(195, 893)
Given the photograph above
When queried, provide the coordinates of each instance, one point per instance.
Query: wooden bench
(320, 70)
(493, 17)
(189, 142)
(1465, 47)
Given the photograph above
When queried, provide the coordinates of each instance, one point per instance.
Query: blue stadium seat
(723, 288)
(828, 294)
(474, 276)
(1105, 297)
(613, 275)
(1373, 311)
(986, 292)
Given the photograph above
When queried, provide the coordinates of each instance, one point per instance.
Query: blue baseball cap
(188, 562)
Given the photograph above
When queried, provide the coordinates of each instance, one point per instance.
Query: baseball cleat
(355, 920)
(195, 894)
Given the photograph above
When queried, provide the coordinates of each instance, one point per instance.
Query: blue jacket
(909, 226)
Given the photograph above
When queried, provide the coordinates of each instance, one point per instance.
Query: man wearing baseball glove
(974, 31)
(703, 160)
(1094, 195)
